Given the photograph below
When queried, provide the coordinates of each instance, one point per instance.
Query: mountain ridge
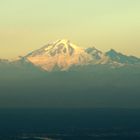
(63, 55)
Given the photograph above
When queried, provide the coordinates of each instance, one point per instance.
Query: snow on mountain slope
(61, 54)
(98, 57)
(121, 58)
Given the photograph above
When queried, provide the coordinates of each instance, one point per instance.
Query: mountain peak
(112, 51)
(63, 45)
(60, 54)
(63, 41)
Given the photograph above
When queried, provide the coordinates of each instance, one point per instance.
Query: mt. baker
(62, 55)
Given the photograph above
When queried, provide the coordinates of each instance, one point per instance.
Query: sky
(26, 25)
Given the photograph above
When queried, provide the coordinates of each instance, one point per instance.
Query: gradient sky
(26, 25)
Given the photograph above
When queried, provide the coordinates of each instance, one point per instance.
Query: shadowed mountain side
(86, 87)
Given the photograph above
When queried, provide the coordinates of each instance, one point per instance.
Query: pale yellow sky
(26, 25)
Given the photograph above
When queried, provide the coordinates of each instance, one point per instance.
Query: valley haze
(63, 75)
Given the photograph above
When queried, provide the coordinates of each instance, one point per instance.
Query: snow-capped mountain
(121, 58)
(62, 55)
